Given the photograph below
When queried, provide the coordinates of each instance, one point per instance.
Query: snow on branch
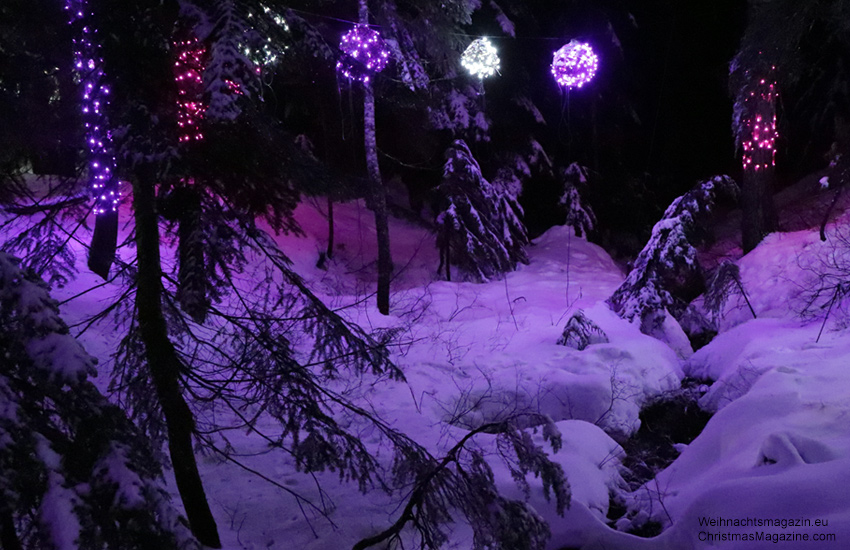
(579, 214)
(479, 229)
(666, 274)
(76, 473)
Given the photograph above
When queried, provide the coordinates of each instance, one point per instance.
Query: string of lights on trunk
(760, 106)
(188, 74)
(88, 66)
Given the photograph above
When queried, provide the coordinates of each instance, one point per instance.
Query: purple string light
(88, 66)
(574, 65)
(364, 53)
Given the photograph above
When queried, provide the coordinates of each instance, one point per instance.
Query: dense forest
(461, 274)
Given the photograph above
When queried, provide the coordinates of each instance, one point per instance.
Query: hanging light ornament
(88, 66)
(574, 65)
(481, 58)
(364, 53)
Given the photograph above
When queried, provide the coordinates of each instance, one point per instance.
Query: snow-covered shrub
(579, 215)
(507, 187)
(581, 332)
(666, 275)
(74, 471)
(479, 229)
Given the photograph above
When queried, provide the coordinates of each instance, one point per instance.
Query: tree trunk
(595, 134)
(758, 212)
(103, 243)
(330, 251)
(165, 365)
(378, 198)
(448, 258)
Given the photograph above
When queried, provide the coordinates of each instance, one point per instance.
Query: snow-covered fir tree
(581, 332)
(76, 473)
(506, 188)
(579, 214)
(667, 275)
(474, 230)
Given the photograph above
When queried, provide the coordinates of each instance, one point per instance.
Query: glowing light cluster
(481, 58)
(760, 106)
(262, 57)
(188, 73)
(574, 65)
(88, 66)
(278, 19)
(364, 53)
(233, 87)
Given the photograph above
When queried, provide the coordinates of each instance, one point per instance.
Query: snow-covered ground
(778, 447)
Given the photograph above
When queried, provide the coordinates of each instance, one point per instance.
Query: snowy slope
(777, 447)
(778, 444)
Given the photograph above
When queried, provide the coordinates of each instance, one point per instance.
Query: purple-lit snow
(777, 447)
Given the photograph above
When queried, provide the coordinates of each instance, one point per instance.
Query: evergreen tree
(507, 218)
(475, 221)
(666, 275)
(76, 473)
(579, 215)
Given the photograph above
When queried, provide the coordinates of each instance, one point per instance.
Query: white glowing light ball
(481, 58)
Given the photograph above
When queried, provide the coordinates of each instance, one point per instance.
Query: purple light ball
(574, 65)
(364, 53)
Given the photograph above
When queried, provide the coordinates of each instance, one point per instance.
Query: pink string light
(760, 121)
(188, 74)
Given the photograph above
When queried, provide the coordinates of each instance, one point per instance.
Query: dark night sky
(662, 100)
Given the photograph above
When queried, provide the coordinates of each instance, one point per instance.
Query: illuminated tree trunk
(378, 195)
(165, 366)
(758, 211)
